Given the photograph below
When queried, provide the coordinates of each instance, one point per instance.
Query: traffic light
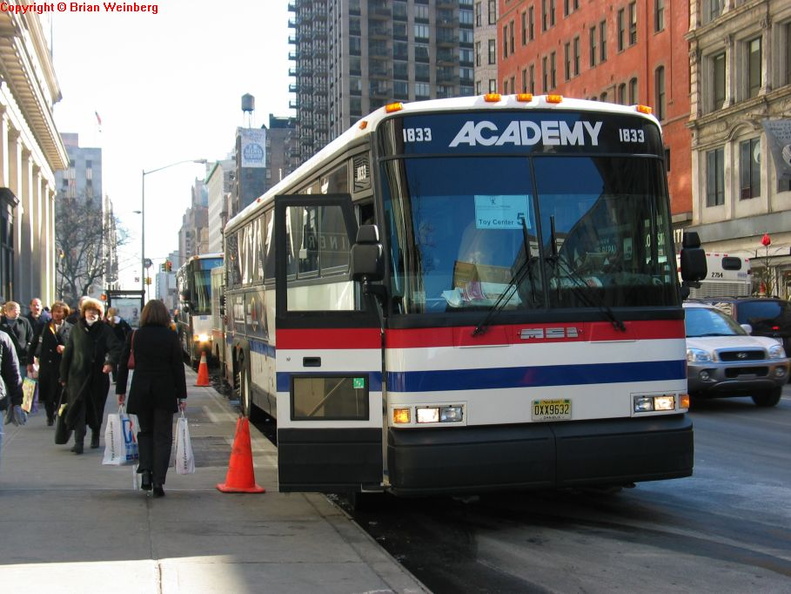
(148, 280)
(168, 265)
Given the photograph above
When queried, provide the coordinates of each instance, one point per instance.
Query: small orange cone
(241, 476)
(203, 373)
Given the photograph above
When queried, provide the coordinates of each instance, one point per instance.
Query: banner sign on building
(778, 133)
(253, 147)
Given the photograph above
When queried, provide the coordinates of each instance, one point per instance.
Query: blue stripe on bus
(374, 379)
(543, 376)
(514, 377)
(262, 348)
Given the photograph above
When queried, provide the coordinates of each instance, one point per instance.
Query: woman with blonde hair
(158, 390)
(89, 356)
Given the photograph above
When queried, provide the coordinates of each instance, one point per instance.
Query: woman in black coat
(89, 356)
(158, 390)
(48, 351)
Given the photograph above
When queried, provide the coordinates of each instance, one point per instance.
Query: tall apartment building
(740, 124)
(353, 56)
(486, 53)
(621, 51)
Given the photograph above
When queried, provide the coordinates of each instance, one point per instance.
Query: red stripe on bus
(329, 338)
(534, 333)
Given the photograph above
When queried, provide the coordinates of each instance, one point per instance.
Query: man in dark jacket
(90, 355)
(11, 386)
(20, 331)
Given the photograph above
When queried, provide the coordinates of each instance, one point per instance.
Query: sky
(167, 87)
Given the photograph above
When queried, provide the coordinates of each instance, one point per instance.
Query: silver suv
(723, 360)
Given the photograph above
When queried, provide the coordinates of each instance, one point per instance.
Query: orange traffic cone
(241, 476)
(203, 373)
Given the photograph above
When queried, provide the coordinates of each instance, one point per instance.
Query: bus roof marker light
(524, 97)
(492, 97)
(393, 107)
(644, 109)
(554, 98)
(363, 125)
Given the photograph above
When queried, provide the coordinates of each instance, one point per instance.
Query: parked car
(724, 360)
(768, 316)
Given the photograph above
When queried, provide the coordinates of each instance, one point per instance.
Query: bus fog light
(451, 414)
(780, 372)
(401, 416)
(427, 415)
(643, 404)
(704, 375)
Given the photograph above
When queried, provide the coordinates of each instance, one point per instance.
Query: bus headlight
(654, 403)
(428, 415)
(201, 338)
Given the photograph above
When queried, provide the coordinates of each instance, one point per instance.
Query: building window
(750, 168)
(511, 46)
(592, 36)
(712, 9)
(633, 97)
(567, 61)
(421, 31)
(715, 177)
(505, 41)
(632, 23)
(603, 41)
(620, 18)
(524, 80)
(718, 81)
(576, 65)
(478, 14)
(544, 75)
(622, 93)
(753, 67)
(659, 15)
(785, 55)
(552, 71)
(492, 51)
(531, 24)
(531, 78)
(659, 93)
(492, 12)
(492, 85)
(478, 53)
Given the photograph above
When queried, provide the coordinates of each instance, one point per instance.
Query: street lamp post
(145, 261)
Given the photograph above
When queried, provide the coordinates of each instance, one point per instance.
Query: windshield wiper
(577, 286)
(513, 285)
(580, 282)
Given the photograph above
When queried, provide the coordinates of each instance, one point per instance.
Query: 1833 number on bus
(551, 410)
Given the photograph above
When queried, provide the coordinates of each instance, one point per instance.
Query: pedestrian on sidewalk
(87, 360)
(158, 390)
(48, 352)
(19, 329)
(121, 328)
(11, 386)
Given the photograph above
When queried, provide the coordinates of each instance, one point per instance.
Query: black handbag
(62, 432)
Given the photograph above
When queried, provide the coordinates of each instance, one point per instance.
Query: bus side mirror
(367, 261)
(693, 258)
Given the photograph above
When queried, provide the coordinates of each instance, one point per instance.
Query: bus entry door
(328, 352)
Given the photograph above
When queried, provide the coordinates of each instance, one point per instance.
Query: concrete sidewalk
(70, 524)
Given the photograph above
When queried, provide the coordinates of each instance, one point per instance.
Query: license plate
(551, 410)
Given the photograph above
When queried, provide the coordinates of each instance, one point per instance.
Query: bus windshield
(528, 232)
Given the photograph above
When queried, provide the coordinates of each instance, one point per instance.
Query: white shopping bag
(120, 438)
(185, 460)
